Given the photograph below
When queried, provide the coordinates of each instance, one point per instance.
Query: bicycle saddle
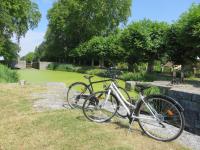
(142, 87)
(88, 77)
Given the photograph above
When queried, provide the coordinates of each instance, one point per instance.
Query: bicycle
(79, 91)
(159, 116)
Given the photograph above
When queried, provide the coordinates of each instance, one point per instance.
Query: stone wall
(19, 64)
(187, 95)
(43, 65)
(191, 105)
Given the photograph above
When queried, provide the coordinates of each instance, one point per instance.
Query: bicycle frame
(90, 85)
(113, 88)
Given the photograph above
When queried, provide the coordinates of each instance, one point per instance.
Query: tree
(30, 57)
(9, 50)
(144, 41)
(184, 36)
(16, 17)
(72, 22)
(100, 48)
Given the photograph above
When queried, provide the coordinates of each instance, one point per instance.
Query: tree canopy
(144, 41)
(16, 17)
(184, 37)
(72, 22)
(89, 31)
(102, 49)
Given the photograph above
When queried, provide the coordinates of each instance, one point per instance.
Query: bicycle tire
(97, 109)
(170, 109)
(76, 93)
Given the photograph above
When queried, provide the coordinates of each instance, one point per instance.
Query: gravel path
(55, 98)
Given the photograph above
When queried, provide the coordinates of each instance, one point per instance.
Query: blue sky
(161, 10)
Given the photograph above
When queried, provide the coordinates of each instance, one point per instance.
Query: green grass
(43, 76)
(24, 128)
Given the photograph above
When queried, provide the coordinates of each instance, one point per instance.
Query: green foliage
(100, 48)
(184, 36)
(8, 49)
(98, 72)
(138, 76)
(30, 57)
(16, 17)
(72, 22)
(152, 90)
(8, 75)
(62, 67)
(144, 41)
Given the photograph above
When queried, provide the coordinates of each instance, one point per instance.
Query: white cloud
(30, 41)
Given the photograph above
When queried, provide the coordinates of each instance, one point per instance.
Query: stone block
(130, 85)
(179, 95)
(196, 98)
(197, 124)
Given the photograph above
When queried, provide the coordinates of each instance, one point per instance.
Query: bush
(152, 90)
(52, 66)
(98, 72)
(138, 76)
(7, 75)
(132, 76)
(62, 67)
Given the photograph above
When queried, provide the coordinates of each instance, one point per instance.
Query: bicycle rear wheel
(77, 93)
(166, 124)
(100, 107)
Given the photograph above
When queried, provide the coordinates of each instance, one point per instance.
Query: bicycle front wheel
(77, 93)
(160, 118)
(100, 106)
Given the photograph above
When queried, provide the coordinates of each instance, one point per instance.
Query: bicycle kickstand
(131, 120)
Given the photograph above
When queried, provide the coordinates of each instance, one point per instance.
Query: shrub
(8, 75)
(99, 72)
(138, 76)
(132, 76)
(152, 90)
(122, 66)
(62, 67)
(51, 66)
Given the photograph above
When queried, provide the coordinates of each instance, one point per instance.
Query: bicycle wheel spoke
(167, 123)
(103, 110)
(76, 95)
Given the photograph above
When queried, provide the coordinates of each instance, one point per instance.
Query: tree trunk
(84, 62)
(74, 61)
(79, 62)
(101, 62)
(130, 66)
(150, 67)
(92, 62)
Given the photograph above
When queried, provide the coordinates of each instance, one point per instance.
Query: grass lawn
(42, 76)
(21, 127)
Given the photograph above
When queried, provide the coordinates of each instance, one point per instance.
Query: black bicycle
(79, 91)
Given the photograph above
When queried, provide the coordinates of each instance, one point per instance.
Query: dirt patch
(53, 98)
